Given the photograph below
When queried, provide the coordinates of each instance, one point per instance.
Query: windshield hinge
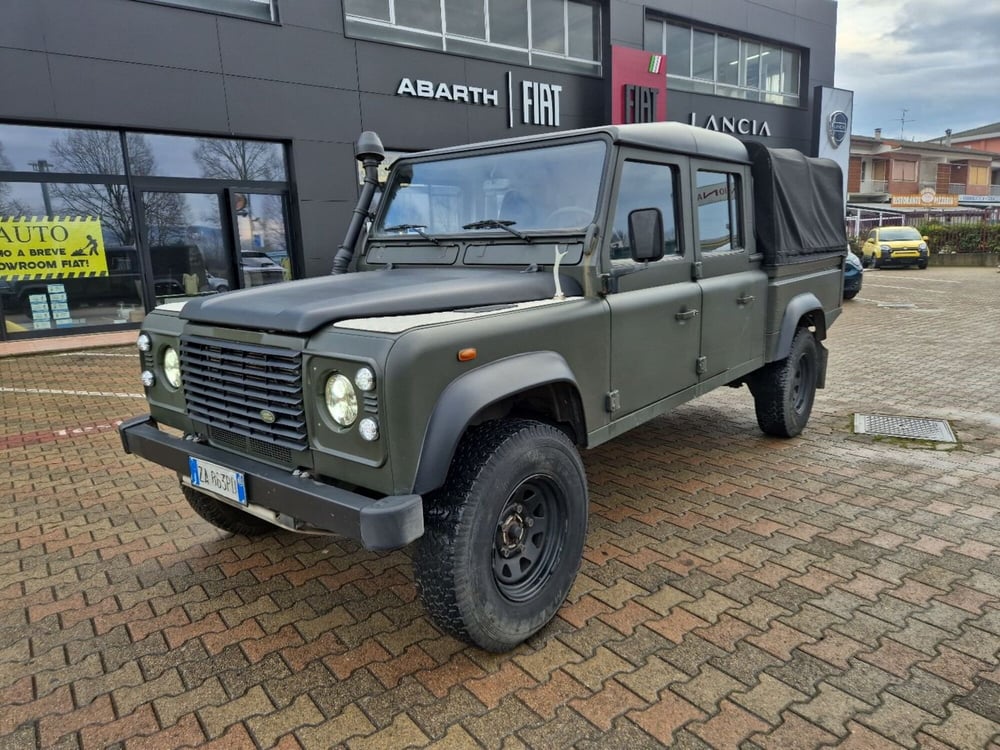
(701, 365)
(696, 272)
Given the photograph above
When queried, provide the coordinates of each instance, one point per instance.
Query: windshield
(537, 189)
(899, 233)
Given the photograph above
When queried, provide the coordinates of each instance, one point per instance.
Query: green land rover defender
(511, 304)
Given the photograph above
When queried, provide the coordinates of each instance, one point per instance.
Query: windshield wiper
(498, 224)
(418, 228)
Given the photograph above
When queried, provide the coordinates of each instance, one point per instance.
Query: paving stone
(864, 681)
(794, 732)
(769, 698)
(546, 697)
(666, 716)
(831, 709)
(745, 663)
(435, 718)
(493, 727)
(880, 562)
(728, 727)
(897, 720)
(803, 672)
(965, 728)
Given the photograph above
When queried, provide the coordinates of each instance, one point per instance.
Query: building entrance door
(188, 249)
(201, 242)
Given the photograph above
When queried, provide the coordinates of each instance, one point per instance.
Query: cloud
(936, 61)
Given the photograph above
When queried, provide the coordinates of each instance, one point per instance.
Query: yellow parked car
(895, 246)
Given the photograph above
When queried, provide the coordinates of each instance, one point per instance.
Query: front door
(655, 314)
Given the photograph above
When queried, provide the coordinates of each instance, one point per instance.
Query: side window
(872, 235)
(645, 185)
(720, 219)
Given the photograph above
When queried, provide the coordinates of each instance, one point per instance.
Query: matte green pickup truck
(511, 304)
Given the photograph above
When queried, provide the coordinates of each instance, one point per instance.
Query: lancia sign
(837, 127)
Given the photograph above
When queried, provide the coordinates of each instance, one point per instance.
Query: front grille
(228, 384)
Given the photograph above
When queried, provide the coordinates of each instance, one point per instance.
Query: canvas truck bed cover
(799, 205)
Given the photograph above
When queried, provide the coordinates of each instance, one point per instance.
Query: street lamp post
(43, 166)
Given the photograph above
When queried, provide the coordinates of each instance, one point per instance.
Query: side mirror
(925, 238)
(645, 234)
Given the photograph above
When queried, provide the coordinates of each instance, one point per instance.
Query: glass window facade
(712, 63)
(153, 155)
(556, 34)
(97, 226)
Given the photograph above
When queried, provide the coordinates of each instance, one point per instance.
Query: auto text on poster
(56, 247)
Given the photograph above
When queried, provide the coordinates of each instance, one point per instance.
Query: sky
(937, 59)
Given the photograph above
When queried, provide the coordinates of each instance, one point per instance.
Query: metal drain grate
(913, 428)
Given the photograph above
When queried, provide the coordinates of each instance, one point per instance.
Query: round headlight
(364, 379)
(922, 246)
(143, 343)
(341, 400)
(172, 367)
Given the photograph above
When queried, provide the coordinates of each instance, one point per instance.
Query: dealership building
(151, 150)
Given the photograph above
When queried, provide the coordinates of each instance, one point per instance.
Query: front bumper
(900, 259)
(388, 523)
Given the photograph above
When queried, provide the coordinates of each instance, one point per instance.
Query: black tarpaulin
(799, 205)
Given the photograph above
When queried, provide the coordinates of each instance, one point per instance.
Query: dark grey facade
(142, 66)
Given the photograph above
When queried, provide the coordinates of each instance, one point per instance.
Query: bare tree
(238, 160)
(100, 152)
(8, 206)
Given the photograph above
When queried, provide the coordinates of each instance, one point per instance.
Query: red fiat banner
(638, 86)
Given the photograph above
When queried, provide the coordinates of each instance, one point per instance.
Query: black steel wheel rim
(800, 384)
(528, 538)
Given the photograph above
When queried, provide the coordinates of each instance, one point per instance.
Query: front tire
(784, 391)
(224, 516)
(504, 537)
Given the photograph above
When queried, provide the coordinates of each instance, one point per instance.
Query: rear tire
(224, 516)
(784, 391)
(504, 537)
(850, 295)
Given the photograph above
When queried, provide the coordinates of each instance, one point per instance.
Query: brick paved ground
(737, 591)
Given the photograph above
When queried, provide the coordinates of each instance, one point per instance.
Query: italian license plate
(219, 479)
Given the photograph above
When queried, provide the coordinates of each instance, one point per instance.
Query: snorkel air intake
(370, 153)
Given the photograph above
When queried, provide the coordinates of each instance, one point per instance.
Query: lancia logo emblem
(267, 416)
(837, 127)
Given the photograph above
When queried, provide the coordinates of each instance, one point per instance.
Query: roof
(985, 130)
(667, 136)
(888, 208)
(896, 145)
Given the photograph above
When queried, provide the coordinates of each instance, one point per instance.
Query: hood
(303, 306)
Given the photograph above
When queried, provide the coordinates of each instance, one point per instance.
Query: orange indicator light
(466, 355)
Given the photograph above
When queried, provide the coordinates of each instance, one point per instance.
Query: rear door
(732, 283)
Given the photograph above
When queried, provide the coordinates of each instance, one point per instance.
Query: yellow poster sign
(67, 247)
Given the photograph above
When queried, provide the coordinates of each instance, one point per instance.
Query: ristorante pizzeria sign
(540, 102)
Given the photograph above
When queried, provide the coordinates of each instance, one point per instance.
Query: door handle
(745, 299)
(686, 314)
